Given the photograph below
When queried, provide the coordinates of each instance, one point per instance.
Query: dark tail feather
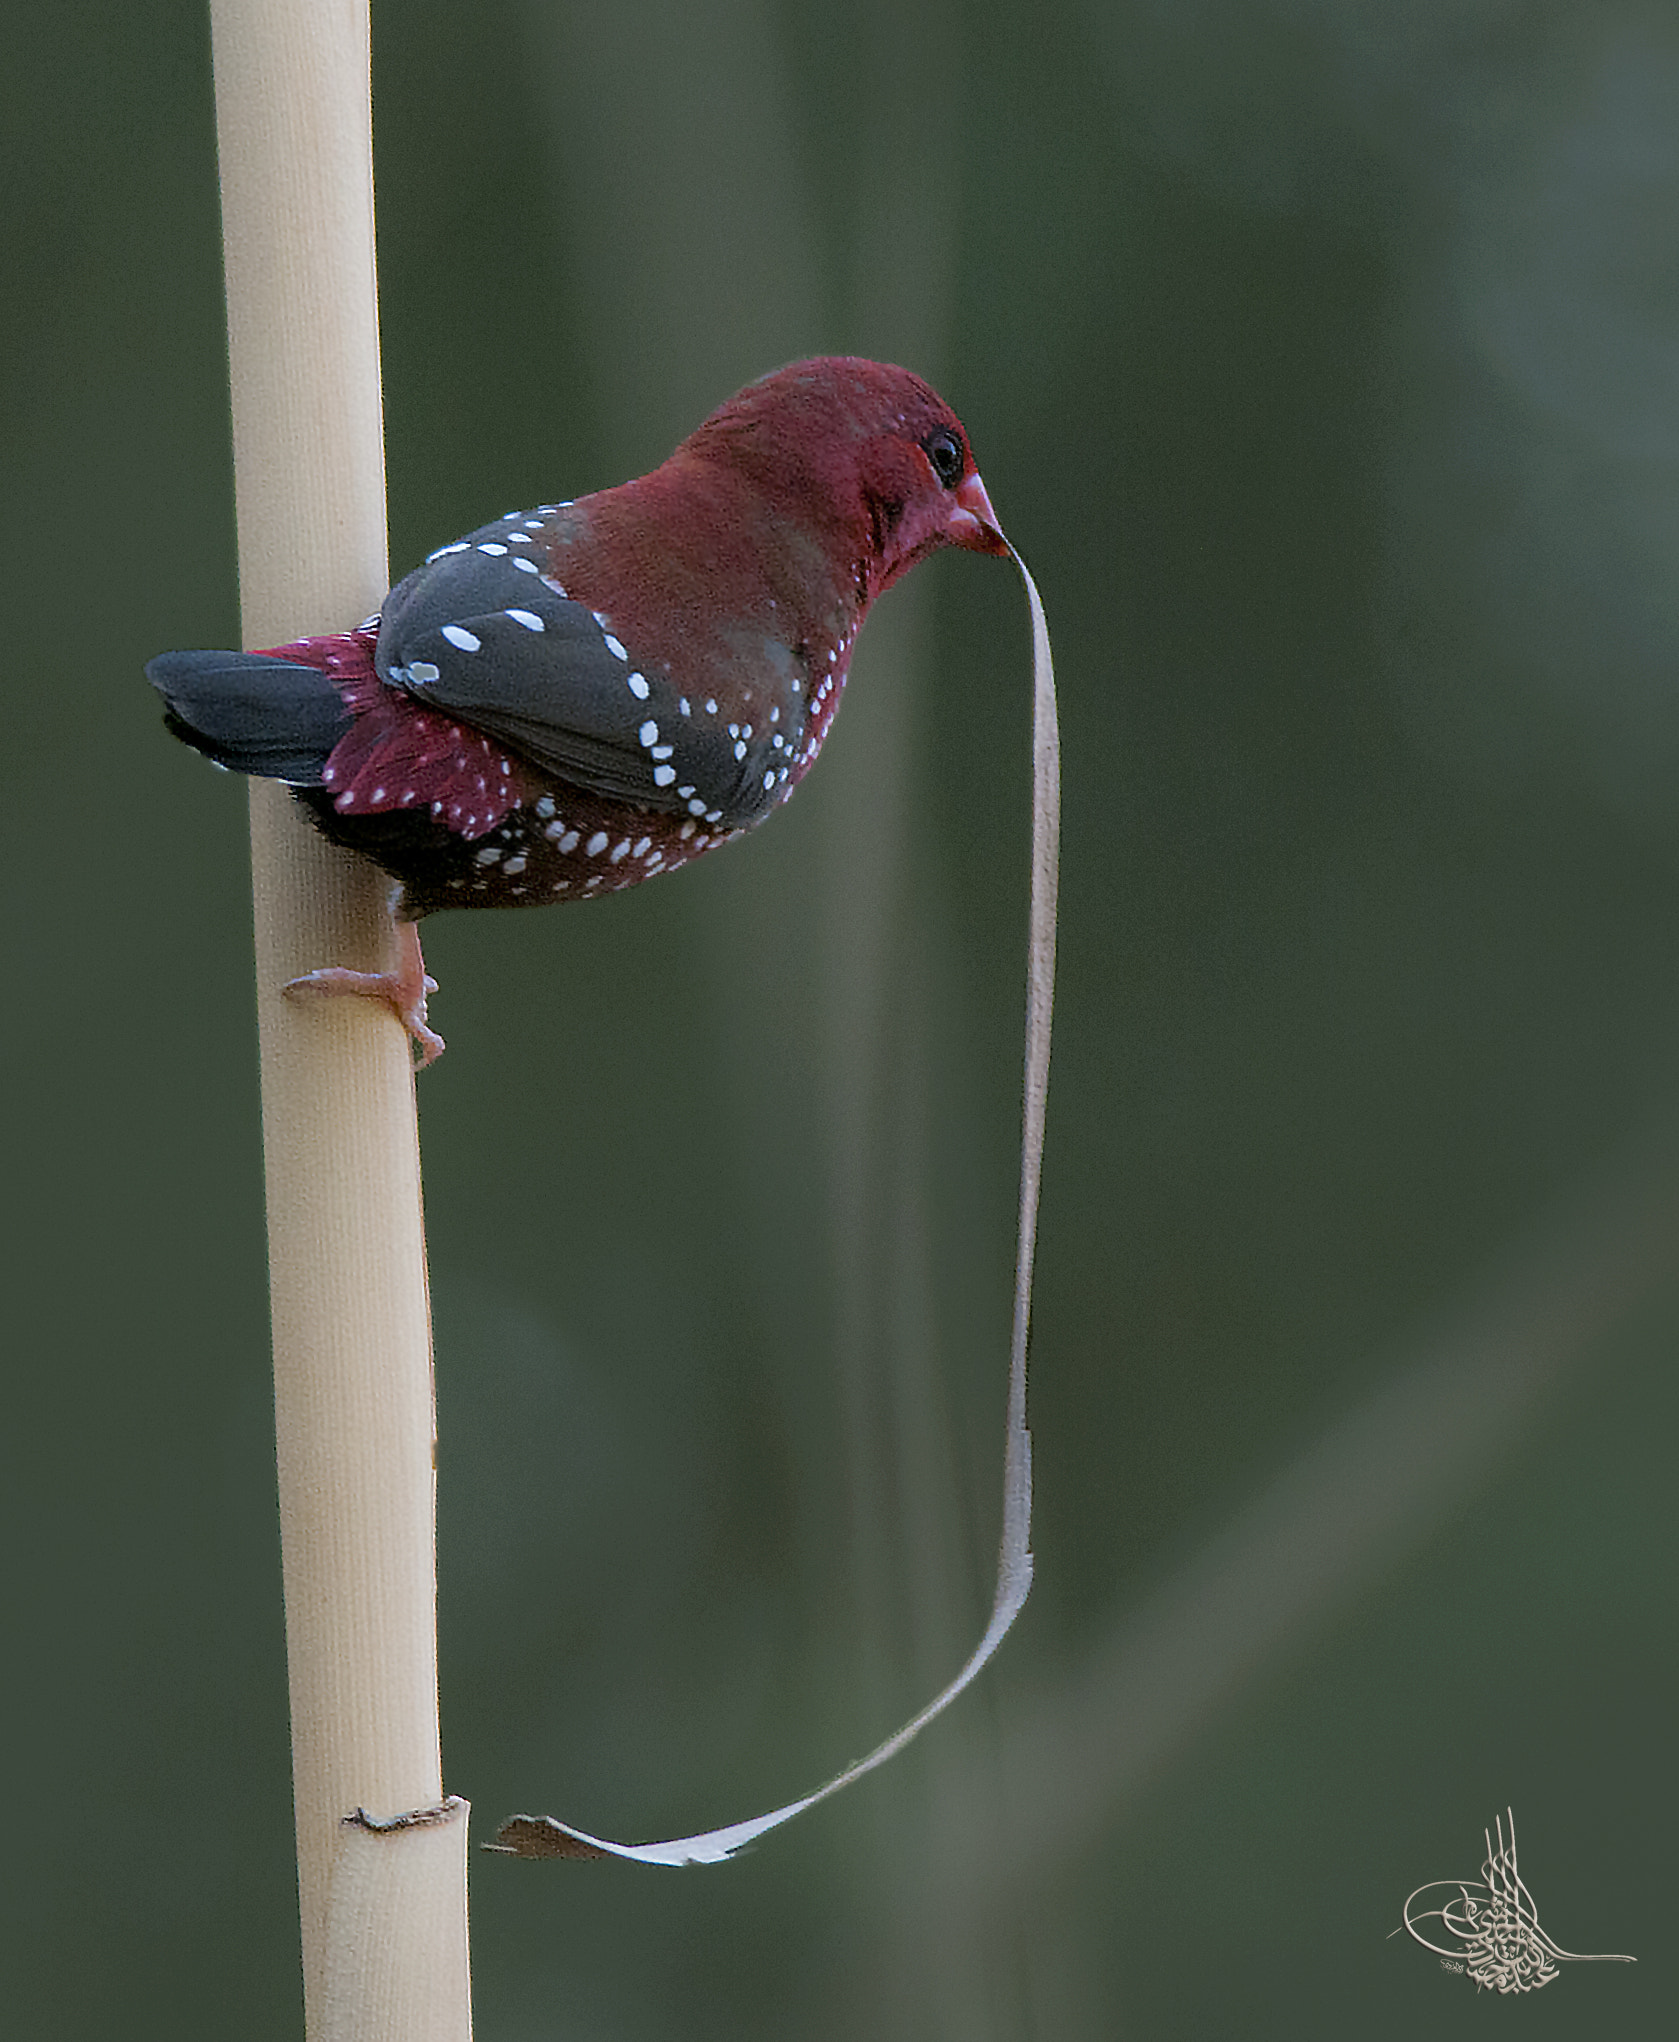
(271, 717)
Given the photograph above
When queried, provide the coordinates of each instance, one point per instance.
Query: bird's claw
(403, 991)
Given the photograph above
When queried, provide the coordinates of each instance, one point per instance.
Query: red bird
(579, 696)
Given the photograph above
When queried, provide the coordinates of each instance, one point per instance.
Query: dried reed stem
(383, 1912)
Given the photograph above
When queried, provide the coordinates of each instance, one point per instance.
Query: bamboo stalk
(383, 1909)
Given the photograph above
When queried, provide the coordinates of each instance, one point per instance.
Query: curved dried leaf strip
(543, 1836)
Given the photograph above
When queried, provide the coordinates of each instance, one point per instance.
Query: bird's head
(866, 457)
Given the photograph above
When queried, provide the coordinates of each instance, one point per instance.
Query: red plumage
(575, 698)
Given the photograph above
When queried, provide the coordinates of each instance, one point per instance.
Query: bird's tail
(277, 718)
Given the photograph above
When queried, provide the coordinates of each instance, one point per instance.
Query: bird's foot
(403, 991)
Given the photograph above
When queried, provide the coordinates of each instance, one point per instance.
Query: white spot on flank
(596, 844)
(740, 749)
(637, 685)
(569, 842)
(696, 807)
(545, 807)
(710, 705)
(684, 792)
(459, 635)
(649, 732)
(615, 647)
(620, 849)
(642, 846)
(488, 856)
(422, 673)
(515, 864)
(662, 751)
(683, 706)
(686, 831)
(378, 794)
(492, 546)
(525, 566)
(769, 780)
(663, 775)
(529, 618)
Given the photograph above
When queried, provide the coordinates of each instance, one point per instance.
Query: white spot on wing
(459, 635)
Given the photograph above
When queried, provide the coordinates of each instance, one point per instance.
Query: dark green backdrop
(1323, 359)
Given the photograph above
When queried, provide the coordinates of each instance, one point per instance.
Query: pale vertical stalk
(383, 1911)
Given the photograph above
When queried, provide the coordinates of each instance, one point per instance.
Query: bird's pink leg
(403, 990)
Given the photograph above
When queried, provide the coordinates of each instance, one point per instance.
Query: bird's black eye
(944, 450)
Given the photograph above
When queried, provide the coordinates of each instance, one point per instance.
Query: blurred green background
(1322, 356)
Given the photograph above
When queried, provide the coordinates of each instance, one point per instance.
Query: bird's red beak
(973, 523)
